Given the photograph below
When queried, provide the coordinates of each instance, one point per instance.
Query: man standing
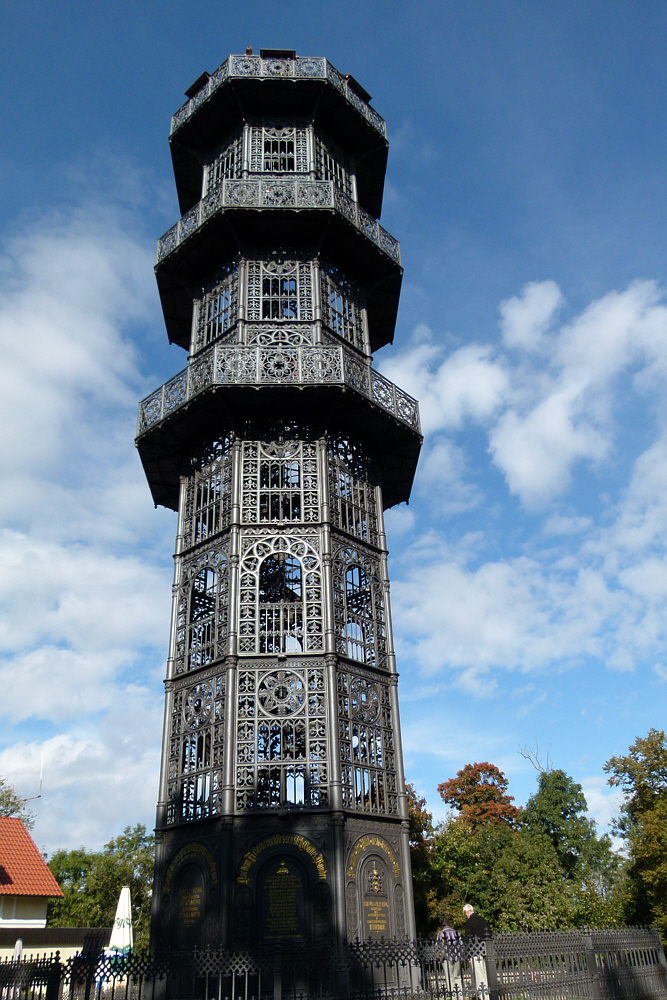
(451, 948)
(477, 929)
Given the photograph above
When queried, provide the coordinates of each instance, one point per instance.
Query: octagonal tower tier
(282, 813)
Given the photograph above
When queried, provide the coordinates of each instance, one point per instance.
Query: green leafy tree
(12, 805)
(558, 811)
(479, 794)
(510, 876)
(642, 774)
(424, 874)
(91, 882)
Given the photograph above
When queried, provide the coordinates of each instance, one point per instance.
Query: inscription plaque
(282, 902)
(190, 902)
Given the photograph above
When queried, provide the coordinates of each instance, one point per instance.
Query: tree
(478, 792)
(642, 774)
(558, 811)
(91, 882)
(424, 875)
(12, 805)
(511, 876)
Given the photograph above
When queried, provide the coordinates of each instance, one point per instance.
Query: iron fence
(626, 964)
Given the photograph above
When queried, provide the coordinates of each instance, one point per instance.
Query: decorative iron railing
(623, 964)
(222, 364)
(300, 68)
(291, 192)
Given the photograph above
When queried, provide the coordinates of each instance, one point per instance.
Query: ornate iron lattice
(302, 67)
(208, 495)
(279, 147)
(341, 309)
(265, 335)
(279, 482)
(280, 592)
(196, 746)
(278, 192)
(218, 309)
(280, 290)
(281, 736)
(366, 741)
(202, 610)
(332, 165)
(353, 502)
(227, 165)
(359, 605)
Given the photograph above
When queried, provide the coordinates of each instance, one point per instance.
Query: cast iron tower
(282, 810)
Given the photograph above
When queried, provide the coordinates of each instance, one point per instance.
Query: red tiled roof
(23, 870)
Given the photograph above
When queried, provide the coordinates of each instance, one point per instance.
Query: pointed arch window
(359, 624)
(280, 604)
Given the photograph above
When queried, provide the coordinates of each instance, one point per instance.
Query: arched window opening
(280, 605)
(359, 631)
(280, 489)
(201, 631)
(279, 297)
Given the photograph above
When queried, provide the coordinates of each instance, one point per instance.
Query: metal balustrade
(300, 68)
(577, 964)
(257, 366)
(271, 193)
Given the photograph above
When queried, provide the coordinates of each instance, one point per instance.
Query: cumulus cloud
(83, 598)
(590, 584)
(550, 401)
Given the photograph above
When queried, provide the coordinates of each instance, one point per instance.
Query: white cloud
(84, 602)
(526, 317)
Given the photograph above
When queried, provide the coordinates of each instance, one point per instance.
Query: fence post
(491, 968)
(277, 974)
(592, 968)
(53, 978)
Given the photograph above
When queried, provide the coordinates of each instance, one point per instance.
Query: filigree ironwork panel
(293, 192)
(279, 147)
(281, 748)
(202, 609)
(302, 67)
(218, 309)
(334, 364)
(264, 334)
(353, 502)
(196, 748)
(208, 495)
(280, 592)
(280, 290)
(228, 165)
(341, 305)
(359, 604)
(366, 742)
(279, 482)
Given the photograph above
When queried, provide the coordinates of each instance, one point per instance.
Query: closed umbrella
(121, 936)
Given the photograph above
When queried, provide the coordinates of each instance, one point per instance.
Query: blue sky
(527, 185)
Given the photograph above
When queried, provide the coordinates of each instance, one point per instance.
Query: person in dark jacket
(477, 929)
(450, 945)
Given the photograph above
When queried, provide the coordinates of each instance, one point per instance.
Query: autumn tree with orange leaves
(479, 794)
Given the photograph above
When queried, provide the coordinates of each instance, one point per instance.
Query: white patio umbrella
(121, 935)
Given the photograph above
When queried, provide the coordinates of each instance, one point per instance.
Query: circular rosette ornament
(365, 700)
(282, 692)
(198, 706)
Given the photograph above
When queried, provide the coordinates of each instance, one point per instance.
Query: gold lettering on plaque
(190, 906)
(283, 892)
(376, 913)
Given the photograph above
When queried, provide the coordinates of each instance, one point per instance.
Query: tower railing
(290, 192)
(299, 68)
(578, 964)
(223, 364)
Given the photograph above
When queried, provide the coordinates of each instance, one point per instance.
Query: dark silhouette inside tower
(282, 814)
